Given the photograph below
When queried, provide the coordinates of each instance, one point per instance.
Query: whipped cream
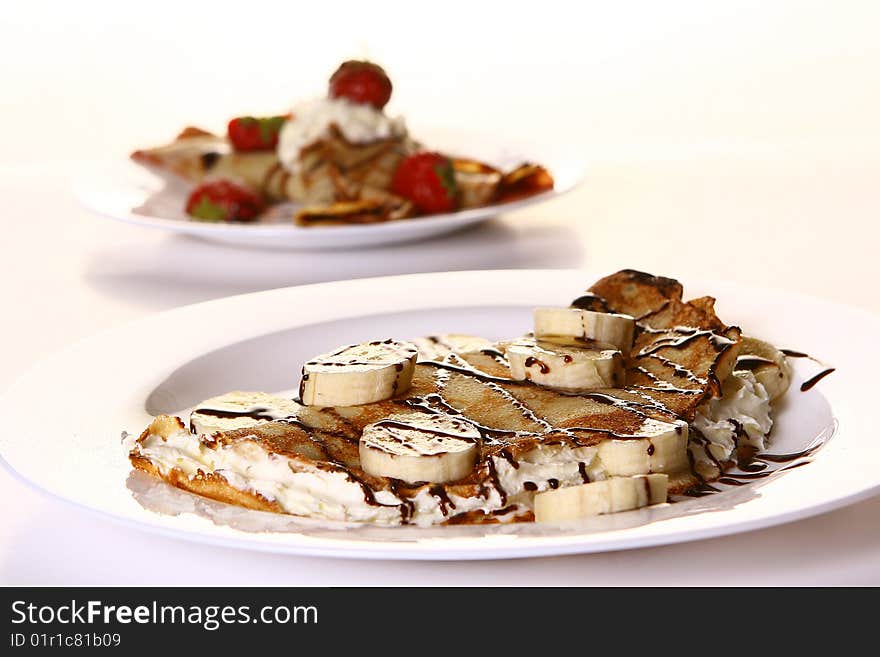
(742, 413)
(563, 465)
(299, 488)
(305, 490)
(359, 124)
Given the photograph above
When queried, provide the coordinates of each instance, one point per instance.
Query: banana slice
(237, 410)
(600, 497)
(359, 374)
(663, 449)
(566, 366)
(769, 365)
(583, 324)
(437, 347)
(418, 447)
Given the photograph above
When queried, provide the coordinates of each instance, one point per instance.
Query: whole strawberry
(223, 200)
(248, 133)
(428, 180)
(361, 82)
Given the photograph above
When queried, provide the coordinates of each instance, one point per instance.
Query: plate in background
(127, 192)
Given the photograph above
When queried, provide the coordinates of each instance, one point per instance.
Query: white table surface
(773, 183)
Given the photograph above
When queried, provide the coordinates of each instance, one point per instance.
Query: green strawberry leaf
(446, 175)
(206, 210)
(270, 127)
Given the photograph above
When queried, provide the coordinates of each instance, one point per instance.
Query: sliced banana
(611, 328)
(769, 365)
(359, 374)
(663, 449)
(237, 410)
(417, 447)
(437, 347)
(566, 366)
(600, 497)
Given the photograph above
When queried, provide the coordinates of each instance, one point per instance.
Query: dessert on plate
(618, 401)
(338, 159)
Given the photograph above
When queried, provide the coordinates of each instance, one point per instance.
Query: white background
(731, 140)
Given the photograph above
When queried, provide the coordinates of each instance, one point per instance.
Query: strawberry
(428, 180)
(361, 82)
(248, 133)
(223, 200)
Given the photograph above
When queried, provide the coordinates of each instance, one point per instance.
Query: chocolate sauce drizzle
(582, 470)
(751, 363)
(435, 403)
(256, 413)
(388, 422)
(809, 383)
(531, 361)
(752, 468)
(209, 159)
(678, 337)
(442, 496)
(497, 355)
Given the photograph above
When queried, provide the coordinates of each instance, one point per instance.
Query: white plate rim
(531, 546)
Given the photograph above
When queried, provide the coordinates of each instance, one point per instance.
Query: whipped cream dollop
(359, 124)
(741, 415)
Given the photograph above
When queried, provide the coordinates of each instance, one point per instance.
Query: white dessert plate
(63, 419)
(127, 192)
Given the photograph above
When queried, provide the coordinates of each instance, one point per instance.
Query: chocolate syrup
(582, 471)
(504, 510)
(407, 506)
(731, 482)
(679, 337)
(701, 490)
(757, 467)
(496, 354)
(750, 465)
(507, 456)
(542, 366)
(403, 351)
(442, 498)
(751, 363)
(682, 337)
(209, 159)
(496, 482)
(475, 373)
(786, 458)
(809, 383)
(257, 413)
(423, 429)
